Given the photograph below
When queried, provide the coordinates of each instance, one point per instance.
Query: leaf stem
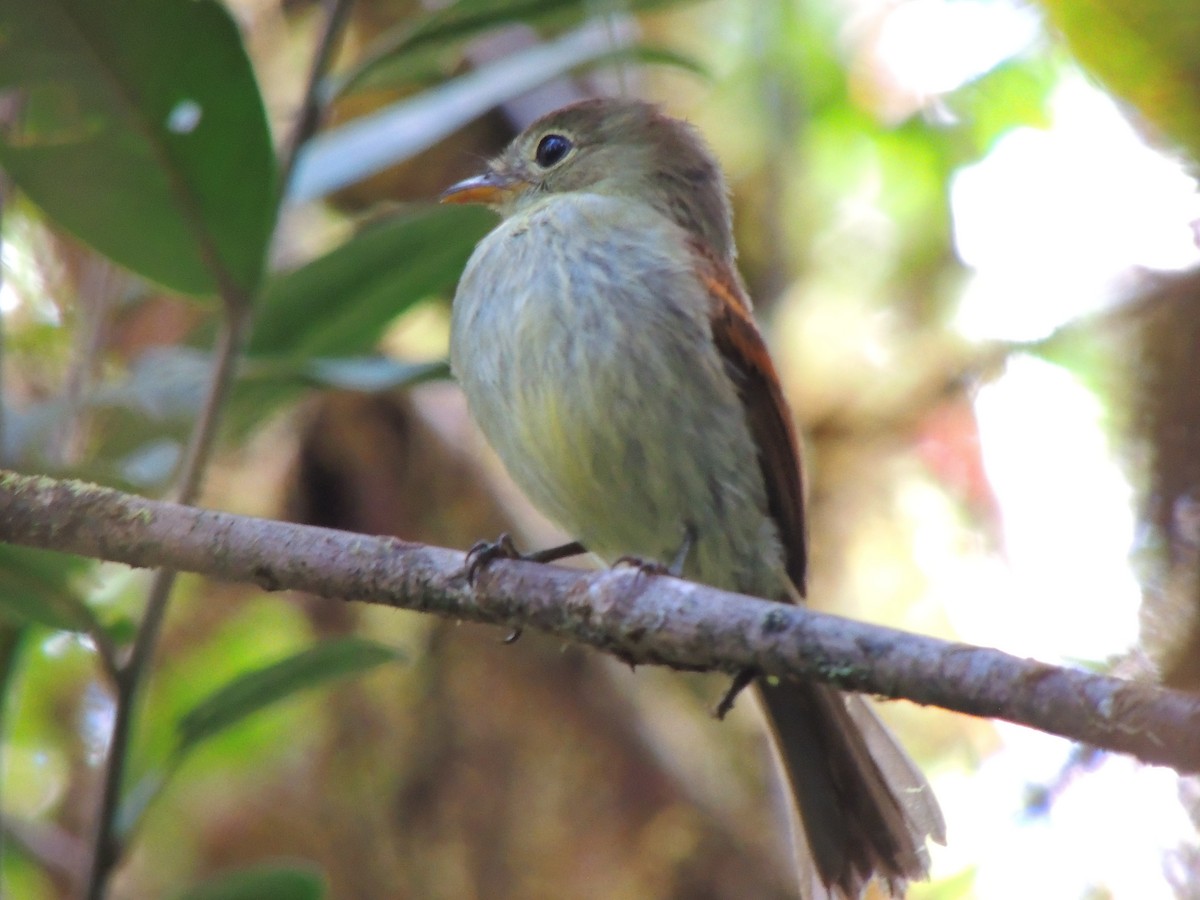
(312, 106)
(131, 677)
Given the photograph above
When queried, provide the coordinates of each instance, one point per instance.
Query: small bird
(607, 349)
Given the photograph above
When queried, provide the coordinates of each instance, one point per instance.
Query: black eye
(551, 149)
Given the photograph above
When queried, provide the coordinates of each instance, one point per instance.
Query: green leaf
(138, 799)
(1147, 52)
(36, 586)
(13, 638)
(408, 51)
(655, 55)
(253, 691)
(372, 142)
(143, 133)
(368, 374)
(259, 883)
(1013, 94)
(339, 304)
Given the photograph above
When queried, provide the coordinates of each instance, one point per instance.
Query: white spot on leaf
(185, 116)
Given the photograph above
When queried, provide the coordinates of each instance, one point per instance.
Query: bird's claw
(654, 566)
(503, 547)
(740, 682)
(644, 566)
(484, 552)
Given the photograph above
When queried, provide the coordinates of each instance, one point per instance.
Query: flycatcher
(607, 349)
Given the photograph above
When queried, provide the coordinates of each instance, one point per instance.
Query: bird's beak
(490, 188)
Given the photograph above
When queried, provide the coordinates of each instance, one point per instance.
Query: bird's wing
(767, 413)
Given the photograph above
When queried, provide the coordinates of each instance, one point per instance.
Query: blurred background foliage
(970, 230)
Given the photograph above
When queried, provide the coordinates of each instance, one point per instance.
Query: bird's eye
(551, 149)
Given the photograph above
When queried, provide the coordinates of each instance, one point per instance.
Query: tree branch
(641, 619)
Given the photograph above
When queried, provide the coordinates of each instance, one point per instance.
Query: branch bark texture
(639, 618)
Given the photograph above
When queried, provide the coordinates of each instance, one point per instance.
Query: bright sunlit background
(1053, 223)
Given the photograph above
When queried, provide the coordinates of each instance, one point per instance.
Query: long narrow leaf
(368, 374)
(373, 142)
(254, 691)
(36, 586)
(1145, 52)
(259, 883)
(409, 48)
(339, 304)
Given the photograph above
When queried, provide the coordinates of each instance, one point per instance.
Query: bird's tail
(864, 809)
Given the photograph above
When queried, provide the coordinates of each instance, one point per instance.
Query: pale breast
(581, 338)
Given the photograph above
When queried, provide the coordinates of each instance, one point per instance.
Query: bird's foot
(482, 553)
(654, 566)
(485, 552)
(740, 682)
(644, 566)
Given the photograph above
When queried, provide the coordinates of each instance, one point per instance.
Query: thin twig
(131, 677)
(234, 330)
(10, 634)
(308, 119)
(5, 189)
(782, 97)
(636, 617)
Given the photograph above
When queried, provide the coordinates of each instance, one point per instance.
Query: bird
(608, 352)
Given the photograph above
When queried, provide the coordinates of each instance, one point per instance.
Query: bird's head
(615, 147)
